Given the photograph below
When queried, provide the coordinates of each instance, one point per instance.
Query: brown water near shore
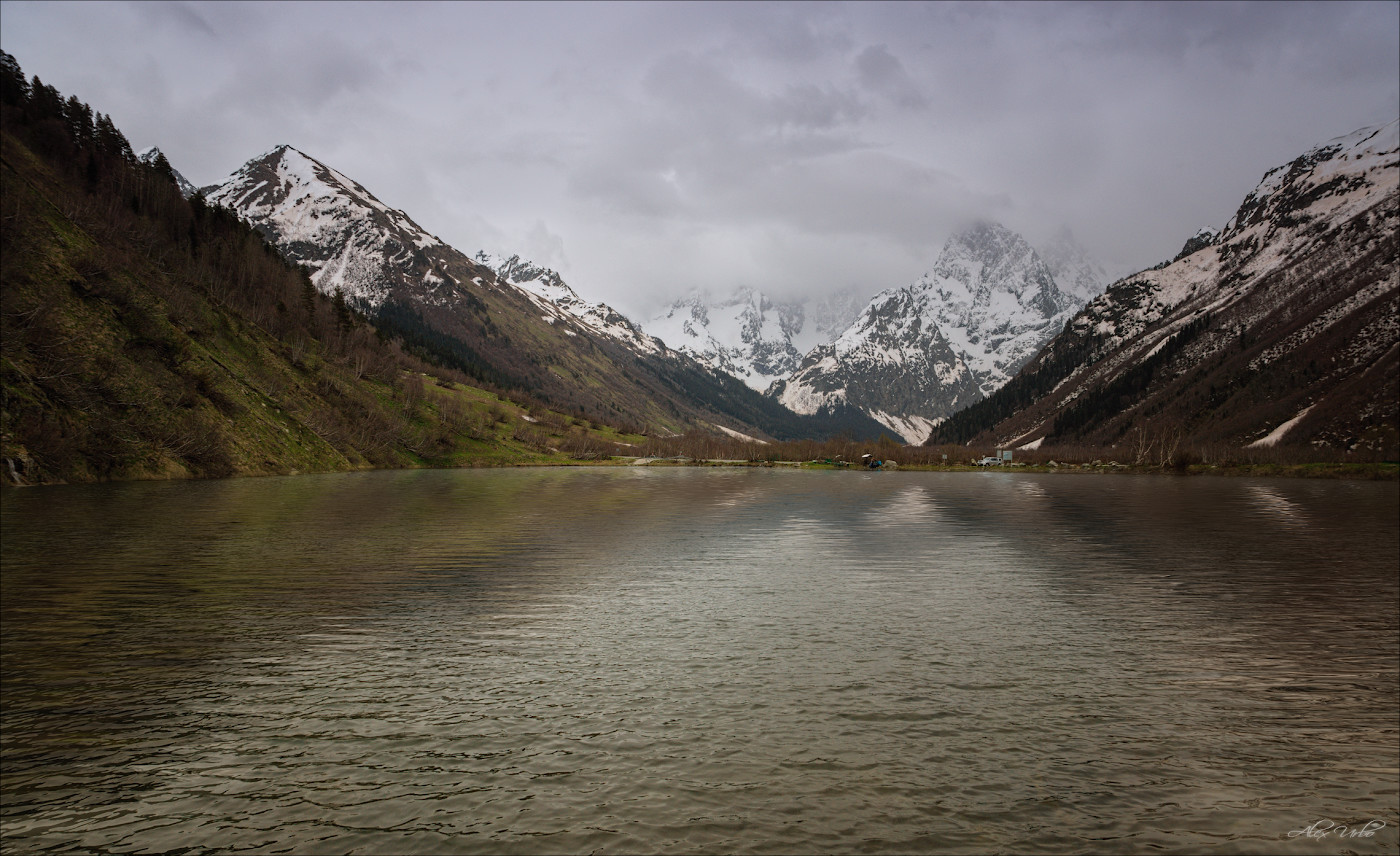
(701, 660)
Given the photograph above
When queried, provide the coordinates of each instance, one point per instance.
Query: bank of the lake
(1386, 471)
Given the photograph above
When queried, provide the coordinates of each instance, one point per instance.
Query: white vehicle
(989, 462)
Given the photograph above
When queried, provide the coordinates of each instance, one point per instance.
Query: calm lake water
(701, 661)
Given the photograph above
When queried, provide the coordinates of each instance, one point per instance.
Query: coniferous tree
(163, 167)
(14, 89)
(44, 101)
(79, 118)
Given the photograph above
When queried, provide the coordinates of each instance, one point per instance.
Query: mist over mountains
(908, 358)
(905, 360)
(918, 353)
(751, 336)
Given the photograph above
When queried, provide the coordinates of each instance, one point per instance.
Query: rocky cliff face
(918, 353)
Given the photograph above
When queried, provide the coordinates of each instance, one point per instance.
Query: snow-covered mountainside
(555, 297)
(749, 335)
(500, 319)
(1287, 317)
(918, 353)
(745, 334)
(351, 242)
(154, 156)
(355, 244)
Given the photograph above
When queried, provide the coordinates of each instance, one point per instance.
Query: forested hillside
(150, 336)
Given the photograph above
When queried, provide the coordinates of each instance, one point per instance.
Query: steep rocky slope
(1282, 328)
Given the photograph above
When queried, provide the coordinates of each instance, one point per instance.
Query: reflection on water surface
(685, 660)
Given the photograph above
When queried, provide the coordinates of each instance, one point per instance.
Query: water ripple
(699, 661)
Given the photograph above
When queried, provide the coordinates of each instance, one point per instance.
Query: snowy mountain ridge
(1280, 328)
(919, 352)
(555, 298)
(1330, 182)
(311, 207)
(500, 319)
(746, 334)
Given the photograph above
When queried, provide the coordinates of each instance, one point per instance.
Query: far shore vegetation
(842, 453)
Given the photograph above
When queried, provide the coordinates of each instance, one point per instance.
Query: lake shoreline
(1365, 472)
(1385, 471)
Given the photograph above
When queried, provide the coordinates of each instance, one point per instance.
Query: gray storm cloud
(646, 149)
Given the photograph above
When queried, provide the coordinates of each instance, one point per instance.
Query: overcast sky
(642, 149)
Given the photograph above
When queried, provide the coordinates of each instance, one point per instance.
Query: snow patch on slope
(1272, 438)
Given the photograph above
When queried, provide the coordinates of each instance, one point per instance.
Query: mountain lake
(700, 660)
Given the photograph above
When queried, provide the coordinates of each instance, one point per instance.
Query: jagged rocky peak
(557, 299)
(989, 277)
(1204, 237)
(352, 242)
(919, 352)
(527, 274)
(285, 177)
(987, 258)
(153, 156)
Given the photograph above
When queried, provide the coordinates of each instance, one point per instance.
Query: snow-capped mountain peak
(368, 251)
(747, 334)
(352, 242)
(919, 352)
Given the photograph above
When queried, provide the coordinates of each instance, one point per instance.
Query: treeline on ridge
(144, 335)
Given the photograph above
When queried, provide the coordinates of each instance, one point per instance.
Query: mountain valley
(502, 320)
(150, 322)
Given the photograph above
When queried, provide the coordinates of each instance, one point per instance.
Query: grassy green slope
(119, 359)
